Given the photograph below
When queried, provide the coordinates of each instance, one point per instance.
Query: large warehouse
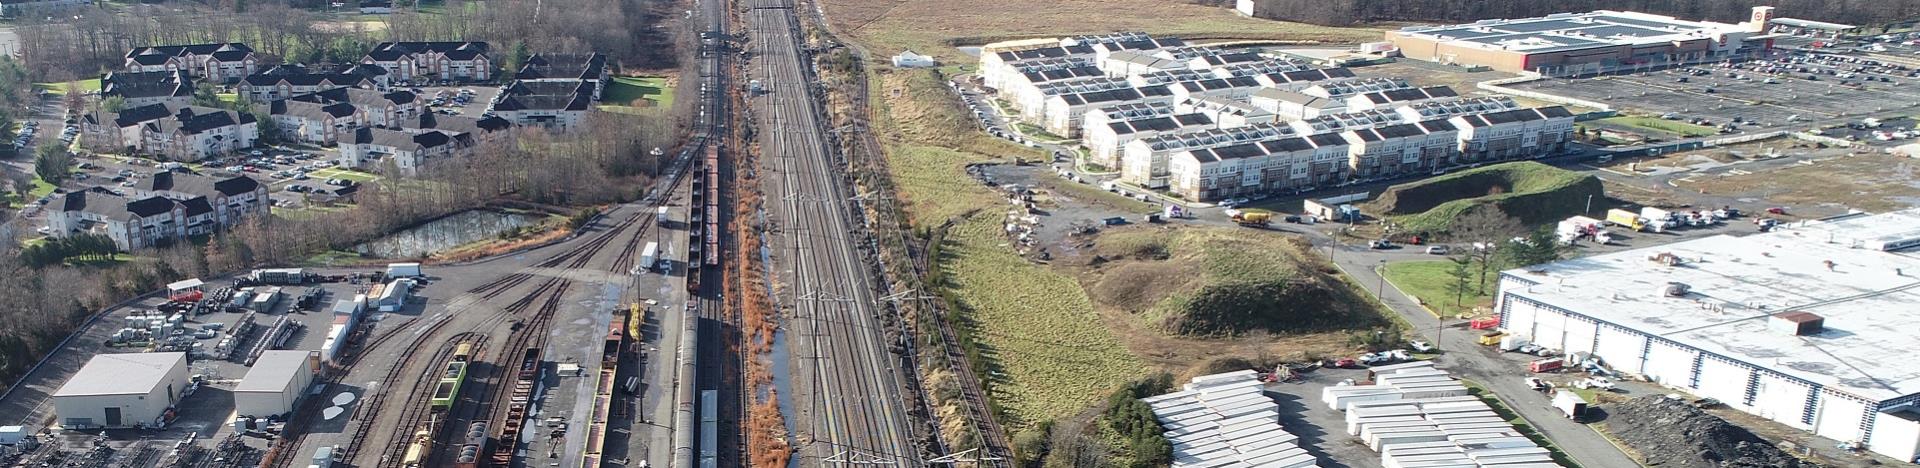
(1582, 43)
(1800, 326)
(121, 390)
(275, 383)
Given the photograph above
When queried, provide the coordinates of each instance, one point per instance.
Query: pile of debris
(1674, 433)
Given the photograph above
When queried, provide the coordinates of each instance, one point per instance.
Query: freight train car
(447, 391)
(472, 442)
(526, 376)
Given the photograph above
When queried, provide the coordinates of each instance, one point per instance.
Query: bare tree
(1485, 229)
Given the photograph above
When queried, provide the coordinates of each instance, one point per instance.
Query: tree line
(1351, 12)
(97, 40)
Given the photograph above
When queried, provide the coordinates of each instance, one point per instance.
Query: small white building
(121, 390)
(275, 383)
(909, 59)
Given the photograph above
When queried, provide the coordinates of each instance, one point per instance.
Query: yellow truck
(1628, 219)
(1256, 219)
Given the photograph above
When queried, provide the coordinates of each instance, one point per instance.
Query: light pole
(1380, 290)
(1589, 209)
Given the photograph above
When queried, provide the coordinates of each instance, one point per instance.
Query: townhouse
(1039, 78)
(137, 89)
(478, 130)
(1320, 98)
(558, 105)
(287, 81)
(1143, 161)
(372, 148)
(1105, 131)
(1286, 163)
(1226, 113)
(1398, 97)
(1400, 148)
(219, 63)
(444, 61)
(1063, 112)
(160, 209)
(1519, 133)
(176, 132)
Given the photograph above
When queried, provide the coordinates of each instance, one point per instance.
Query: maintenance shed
(121, 390)
(275, 383)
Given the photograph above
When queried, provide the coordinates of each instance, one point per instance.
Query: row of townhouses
(174, 131)
(159, 209)
(1207, 123)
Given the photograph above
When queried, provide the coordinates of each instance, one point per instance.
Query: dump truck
(1253, 219)
(1491, 338)
(1627, 219)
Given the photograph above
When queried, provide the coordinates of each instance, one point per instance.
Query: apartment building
(371, 108)
(591, 67)
(557, 105)
(428, 61)
(287, 81)
(171, 131)
(137, 89)
(160, 209)
(312, 122)
(371, 148)
(218, 63)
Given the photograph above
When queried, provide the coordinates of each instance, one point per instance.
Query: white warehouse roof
(273, 370)
(1734, 284)
(1224, 420)
(121, 374)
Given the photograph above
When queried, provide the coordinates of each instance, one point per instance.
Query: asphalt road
(850, 403)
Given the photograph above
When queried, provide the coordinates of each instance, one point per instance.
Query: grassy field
(40, 189)
(1049, 353)
(334, 172)
(1656, 124)
(1222, 282)
(934, 27)
(86, 85)
(1428, 281)
(626, 89)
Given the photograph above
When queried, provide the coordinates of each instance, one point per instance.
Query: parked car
(1438, 250)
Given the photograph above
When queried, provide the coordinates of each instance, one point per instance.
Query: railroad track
(363, 423)
(415, 411)
(531, 334)
(857, 413)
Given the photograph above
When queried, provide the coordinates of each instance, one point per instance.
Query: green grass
(348, 174)
(86, 85)
(1428, 281)
(626, 89)
(1052, 354)
(116, 258)
(332, 257)
(1048, 354)
(1672, 127)
(1039, 133)
(1519, 424)
(40, 189)
(229, 98)
(1533, 193)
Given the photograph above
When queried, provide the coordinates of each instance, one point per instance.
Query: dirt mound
(1220, 282)
(1671, 433)
(1533, 192)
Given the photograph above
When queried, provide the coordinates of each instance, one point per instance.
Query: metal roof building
(1803, 326)
(275, 382)
(121, 390)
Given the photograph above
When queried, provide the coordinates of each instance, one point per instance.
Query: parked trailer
(1570, 405)
(662, 217)
(649, 257)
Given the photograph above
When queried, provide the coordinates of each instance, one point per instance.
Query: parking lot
(1792, 90)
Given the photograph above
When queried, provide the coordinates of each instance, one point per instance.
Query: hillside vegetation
(1211, 282)
(1348, 12)
(1531, 192)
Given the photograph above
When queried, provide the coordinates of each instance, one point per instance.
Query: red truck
(1546, 365)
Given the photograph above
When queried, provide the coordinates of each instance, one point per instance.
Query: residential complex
(286, 81)
(1206, 123)
(445, 61)
(176, 132)
(219, 63)
(557, 104)
(1803, 326)
(137, 89)
(1585, 43)
(159, 209)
